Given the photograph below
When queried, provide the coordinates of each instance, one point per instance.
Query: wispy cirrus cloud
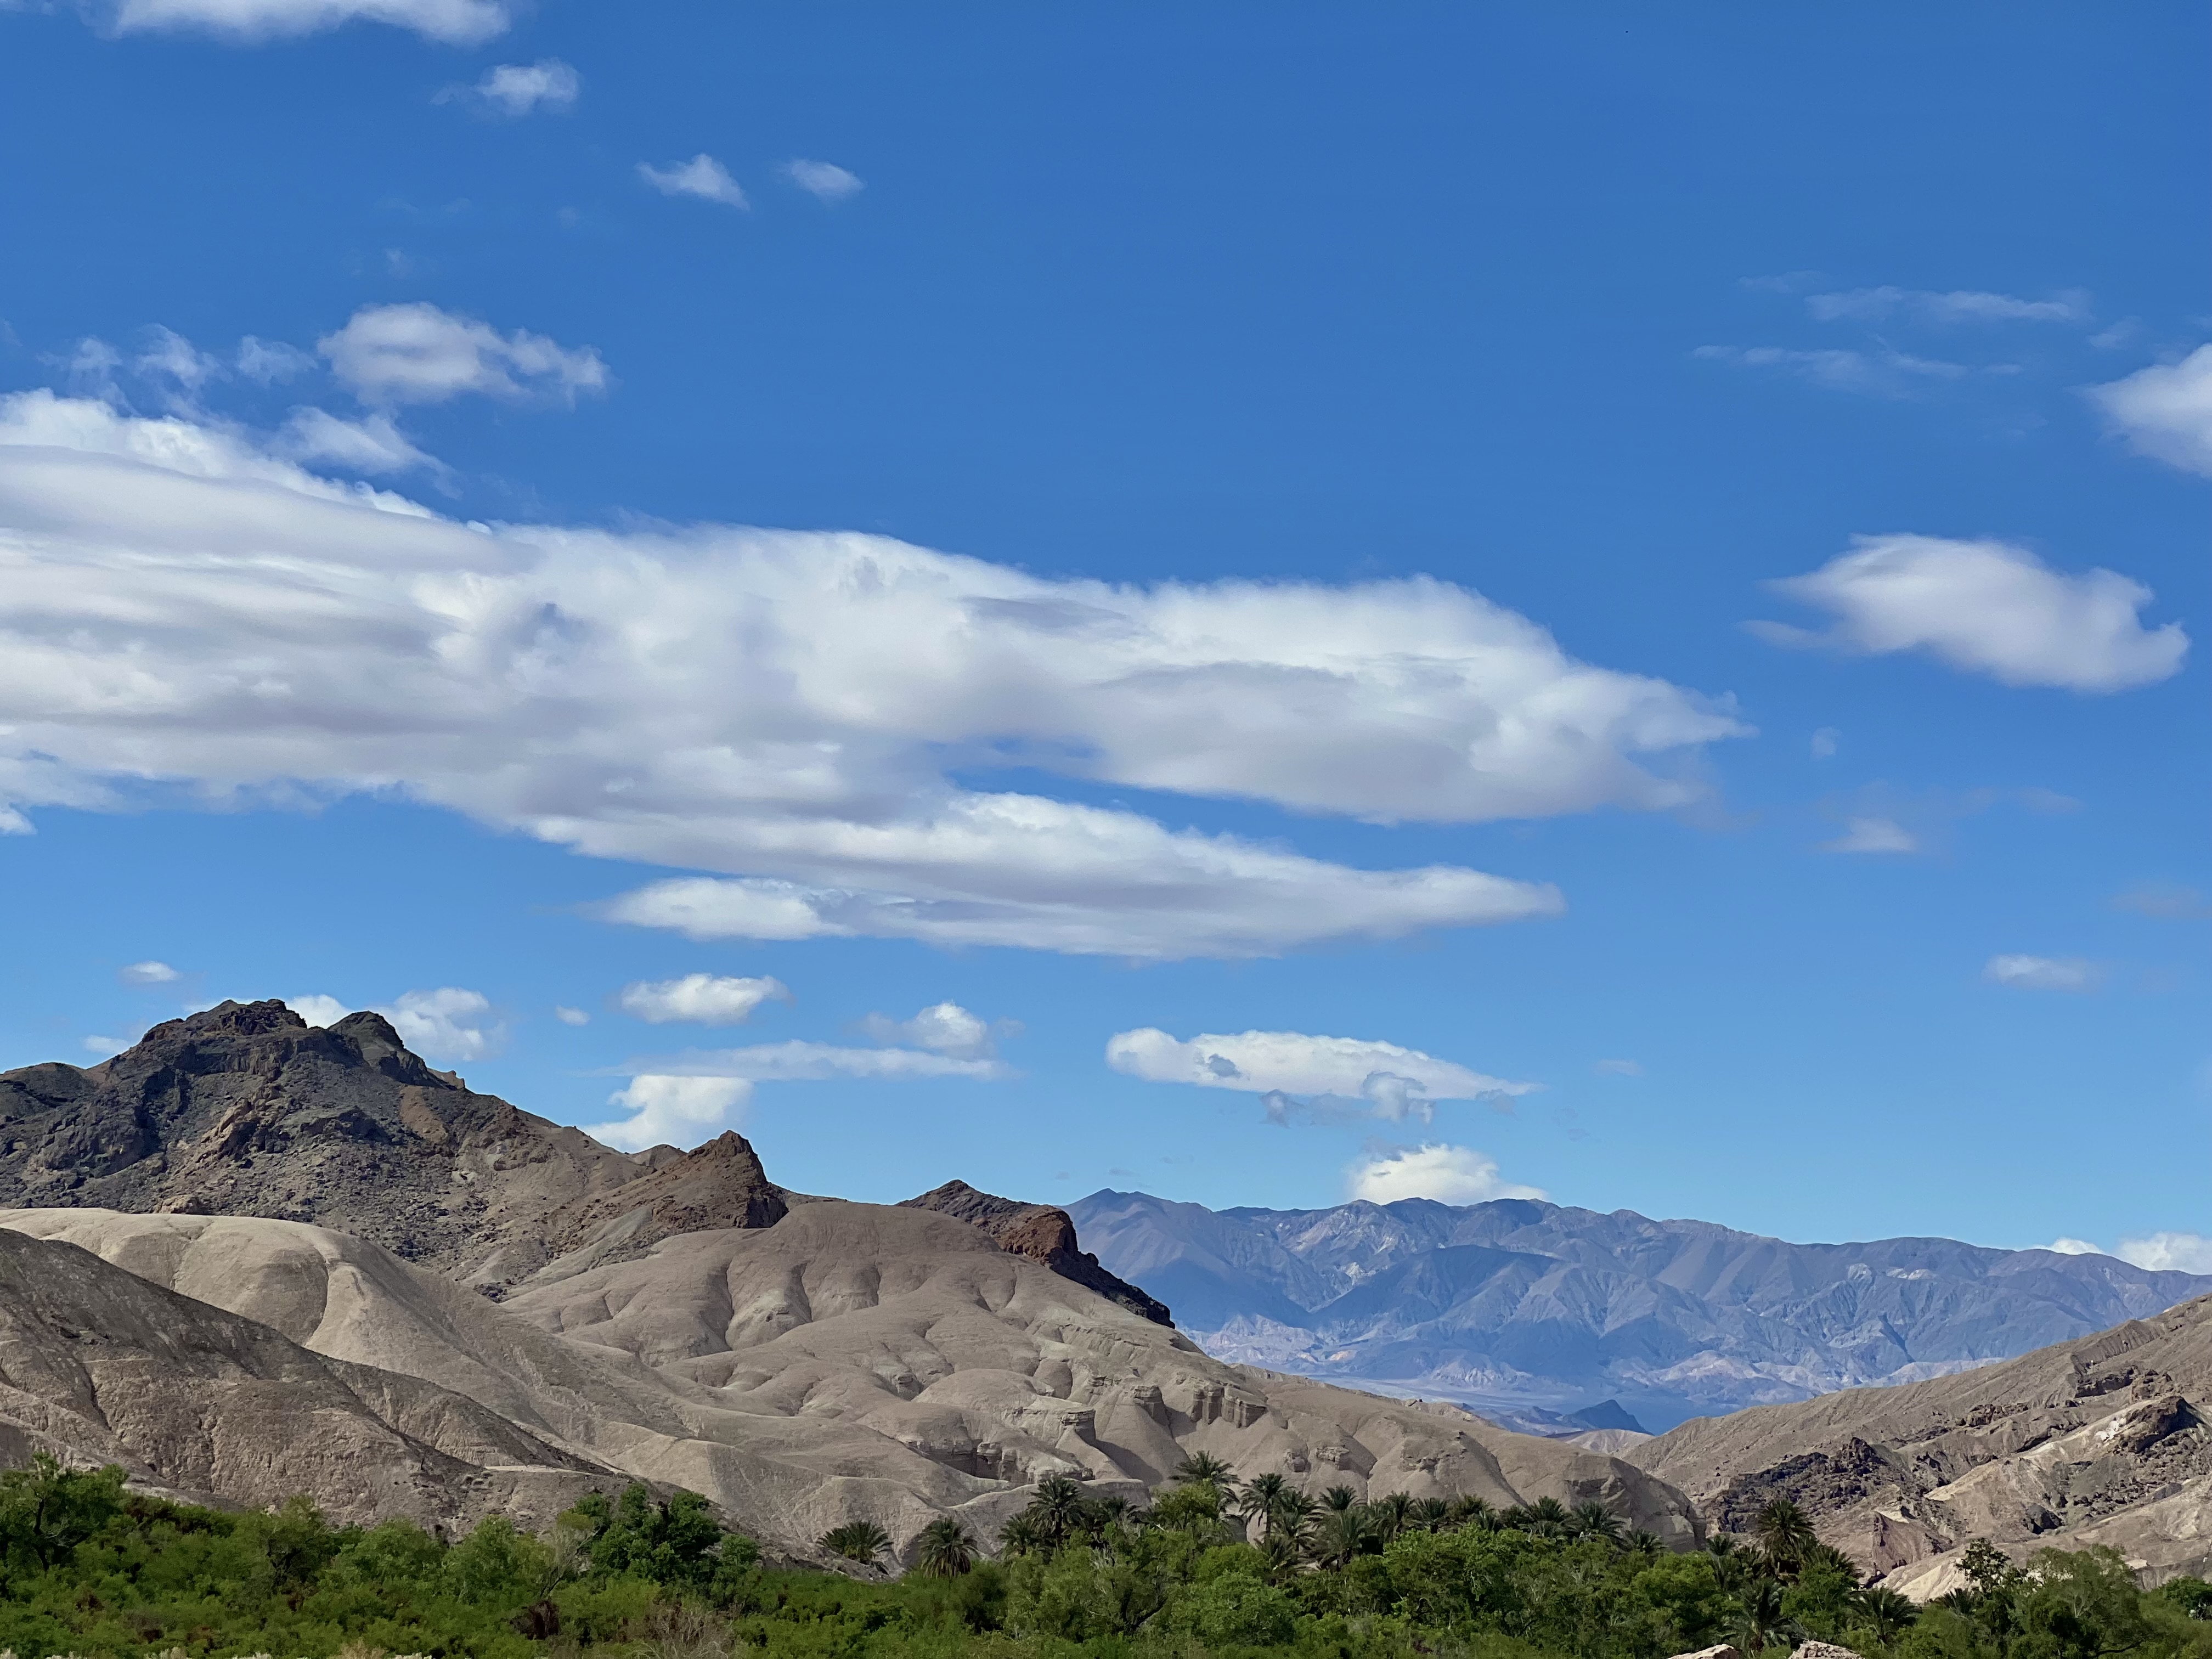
(2031, 973)
(1945, 307)
(825, 181)
(1879, 372)
(548, 87)
(456, 22)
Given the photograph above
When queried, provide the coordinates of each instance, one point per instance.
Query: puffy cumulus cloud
(675, 1111)
(418, 353)
(702, 176)
(703, 999)
(1872, 835)
(1956, 305)
(1449, 1174)
(944, 1028)
(2072, 1246)
(447, 1023)
(825, 181)
(2027, 973)
(798, 717)
(1986, 607)
(147, 972)
(1326, 1076)
(2165, 411)
(519, 89)
(2176, 1253)
(460, 22)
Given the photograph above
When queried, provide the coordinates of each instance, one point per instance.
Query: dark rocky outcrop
(1043, 1234)
(246, 1110)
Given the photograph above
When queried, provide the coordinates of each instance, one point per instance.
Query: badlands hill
(1526, 1310)
(2098, 1442)
(255, 1256)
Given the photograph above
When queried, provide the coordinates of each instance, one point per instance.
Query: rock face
(1040, 1233)
(246, 1110)
(2096, 1442)
(1517, 1307)
(853, 1362)
(100, 1365)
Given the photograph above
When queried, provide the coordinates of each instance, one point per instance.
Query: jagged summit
(1042, 1233)
(246, 1110)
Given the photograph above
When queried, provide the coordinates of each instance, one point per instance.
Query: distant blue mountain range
(1533, 1311)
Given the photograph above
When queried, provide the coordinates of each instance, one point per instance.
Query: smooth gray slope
(1516, 1304)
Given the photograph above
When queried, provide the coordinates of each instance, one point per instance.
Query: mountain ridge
(1570, 1307)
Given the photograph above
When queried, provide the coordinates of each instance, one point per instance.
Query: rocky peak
(1042, 1233)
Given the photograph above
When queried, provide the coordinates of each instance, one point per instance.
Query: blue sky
(1219, 544)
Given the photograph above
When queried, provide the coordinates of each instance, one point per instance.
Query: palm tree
(1594, 1520)
(1389, 1514)
(1760, 1620)
(1887, 1612)
(1339, 1498)
(1550, 1518)
(1430, 1514)
(1785, 1532)
(1058, 1507)
(1339, 1536)
(1202, 1468)
(1645, 1544)
(1733, 1566)
(1260, 1496)
(1284, 1554)
(856, 1541)
(944, 1550)
(1023, 1536)
(1473, 1512)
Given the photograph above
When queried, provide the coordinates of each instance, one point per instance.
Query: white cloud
(447, 1023)
(702, 176)
(149, 973)
(824, 180)
(106, 1047)
(267, 361)
(680, 1111)
(705, 999)
(519, 89)
(804, 712)
(2027, 973)
(1880, 374)
(1618, 1068)
(374, 446)
(571, 1016)
(1449, 1174)
(1986, 607)
(2183, 1252)
(1332, 1075)
(819, 1062)
(170, 356)
(1823, 743)
(944, 1028)
(1958, 306)
(418, 353)
(2165, 411)
(1872, 835)
(2073, 1247)
(319, 1010)
(460, 22)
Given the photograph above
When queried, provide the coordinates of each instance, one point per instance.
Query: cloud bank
(1326, 1075)
(186, 613)
(1986, 607)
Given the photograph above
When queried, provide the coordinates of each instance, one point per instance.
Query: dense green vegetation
(1212, 1568)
